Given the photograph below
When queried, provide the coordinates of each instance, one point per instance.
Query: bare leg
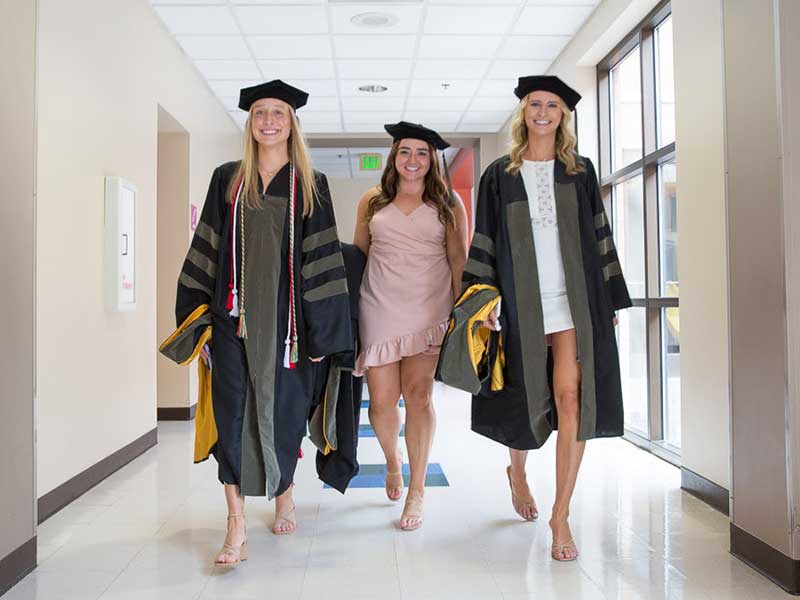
(569, 451)
(236, 536)
(416, 375)
(384, 415)
(521, 496)
(285, 519)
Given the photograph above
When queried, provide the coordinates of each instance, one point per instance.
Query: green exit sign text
(370, 162)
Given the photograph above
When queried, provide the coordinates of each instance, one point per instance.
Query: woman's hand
(491, 322)
(616, 320)
(320, 359)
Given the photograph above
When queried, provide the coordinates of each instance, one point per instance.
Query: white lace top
(538, 177)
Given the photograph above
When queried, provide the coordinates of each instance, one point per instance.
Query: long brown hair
(565, 141)
(248, 168)
(435, 194)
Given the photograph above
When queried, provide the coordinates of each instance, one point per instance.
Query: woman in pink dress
(413, 230)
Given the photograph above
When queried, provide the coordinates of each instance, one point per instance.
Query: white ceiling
(477, 48)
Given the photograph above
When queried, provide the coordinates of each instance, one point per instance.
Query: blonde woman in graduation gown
(267, 259)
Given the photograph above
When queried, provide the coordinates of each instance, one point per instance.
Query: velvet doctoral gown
(522, 414)
(260, 407)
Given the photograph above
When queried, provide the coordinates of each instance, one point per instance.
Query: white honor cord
(234, 312)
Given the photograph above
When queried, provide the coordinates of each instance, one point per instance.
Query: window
(636, 101)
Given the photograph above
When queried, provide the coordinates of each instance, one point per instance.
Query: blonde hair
(247, 171)
(565, 141)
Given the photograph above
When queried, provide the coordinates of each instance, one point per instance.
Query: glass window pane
(671, 373)
(626, 111)
(633, 368)
(668, 230)
(628, 224)
(665, 83)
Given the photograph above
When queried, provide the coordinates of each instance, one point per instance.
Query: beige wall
(345, 193)
(17, 197)
(173, 236)
(104, 68)
(702, 252)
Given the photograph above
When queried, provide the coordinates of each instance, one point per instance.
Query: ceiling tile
(406, 18)
(447, 69)
(552, 20)
(315, 87)
(485, 117)
(469, 19)
(197, 20)
(212, 47)
(364, 128)
(498, 87)
(534, 47)
(416, 103)
(451, 117)
(321, 103)
(374, 69)
(509, 69)
(373, 103)
(456, 3)
(228, 69)
(300, 69)
(282, 20)
(365, 116)
(447, 88)
(231, 87)
(507, 102)
(318, 117)
(276, 1)
(397, 87)
(323, 128)
(475, 128)
(374, 46)
(290, 46)
(458, 46)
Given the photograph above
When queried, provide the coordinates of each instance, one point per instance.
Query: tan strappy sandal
(416, 516)
(289, 517)
(557, 551)
(239, 553)
(393, 485)
(518, 503)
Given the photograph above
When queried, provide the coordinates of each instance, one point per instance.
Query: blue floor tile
(365, 403)
(374, 476)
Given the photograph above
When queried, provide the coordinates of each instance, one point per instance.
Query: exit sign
(371, 162)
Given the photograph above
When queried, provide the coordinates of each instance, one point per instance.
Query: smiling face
(413, 159)
(270, 121)
(543, 113)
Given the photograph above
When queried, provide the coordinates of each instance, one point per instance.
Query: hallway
(151, 531)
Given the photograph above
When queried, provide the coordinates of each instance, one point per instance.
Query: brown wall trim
(709, 492)
(53, 501)
(177, 413)
(17, 564)
(773, 564)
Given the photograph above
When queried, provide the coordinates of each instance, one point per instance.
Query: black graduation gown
(522, 414)
(260, 407)
(338, 467)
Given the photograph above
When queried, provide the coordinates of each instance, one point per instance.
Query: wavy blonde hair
(565, 141)
(435, 194)
(248, 168)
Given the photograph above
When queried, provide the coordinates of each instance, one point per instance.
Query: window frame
(643, 36)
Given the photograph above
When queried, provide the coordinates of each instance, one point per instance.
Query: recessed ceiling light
(374, 89)
(374, 20)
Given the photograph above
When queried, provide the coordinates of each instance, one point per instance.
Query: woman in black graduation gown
(266, 258)
(542, 237)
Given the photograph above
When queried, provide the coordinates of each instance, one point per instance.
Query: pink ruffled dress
(406, 291)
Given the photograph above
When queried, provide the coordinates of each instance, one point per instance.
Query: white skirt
(556, 313)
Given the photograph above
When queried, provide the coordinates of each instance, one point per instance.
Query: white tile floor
(151, 531)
